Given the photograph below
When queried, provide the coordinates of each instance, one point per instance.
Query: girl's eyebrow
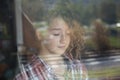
(55, 29)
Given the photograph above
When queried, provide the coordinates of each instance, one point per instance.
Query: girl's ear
(38, 35)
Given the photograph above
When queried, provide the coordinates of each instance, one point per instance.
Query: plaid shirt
(37, 69)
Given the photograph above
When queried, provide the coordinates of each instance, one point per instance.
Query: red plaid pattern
(37, 69)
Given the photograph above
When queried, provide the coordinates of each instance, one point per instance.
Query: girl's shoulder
(27, 70)
(78, 66)
(82, 68)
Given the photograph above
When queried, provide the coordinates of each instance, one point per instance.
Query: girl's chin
(60, 53)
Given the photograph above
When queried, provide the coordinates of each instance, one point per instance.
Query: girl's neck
(52, 59)
(45, 52)
(47, 55)
(55, 61)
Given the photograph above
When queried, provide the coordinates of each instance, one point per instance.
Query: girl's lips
(61, 46)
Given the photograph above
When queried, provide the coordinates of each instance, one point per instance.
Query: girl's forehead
(60, 29)
(57, 21)
(59, 24)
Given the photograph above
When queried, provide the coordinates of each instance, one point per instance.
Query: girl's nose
(62, 38)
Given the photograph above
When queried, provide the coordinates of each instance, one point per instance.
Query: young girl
(57, 53)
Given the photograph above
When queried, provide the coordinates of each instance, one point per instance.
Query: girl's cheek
(51, 36)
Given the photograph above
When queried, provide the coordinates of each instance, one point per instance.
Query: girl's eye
(56, 34)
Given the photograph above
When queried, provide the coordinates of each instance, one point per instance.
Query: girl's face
(57, 38)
